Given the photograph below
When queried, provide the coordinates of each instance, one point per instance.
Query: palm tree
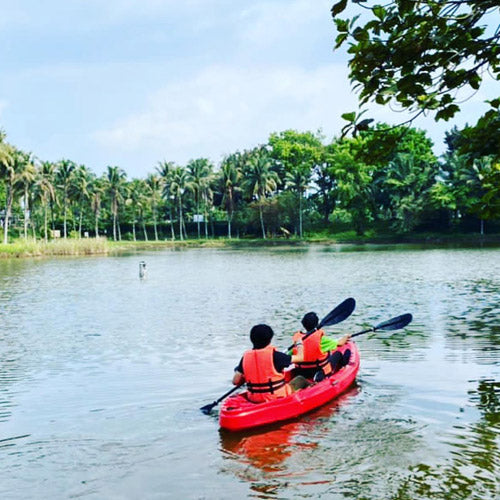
(80, 190)
(260, 180)
(230, 177)
(165, 169)
(138, 198)
(9, 175)
(45, 190)
(207, 195)
(199, 171)
(96, 192)
(115, 183)
(155, 187)
(298, 180)
(179, 186)
(25, 181)
(64, 175)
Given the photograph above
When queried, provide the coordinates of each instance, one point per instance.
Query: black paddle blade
(340, 313)
(395, 323)
(207, 408)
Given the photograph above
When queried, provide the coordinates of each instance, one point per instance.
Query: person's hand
(344, 340)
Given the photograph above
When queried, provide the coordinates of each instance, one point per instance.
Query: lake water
(102, 375)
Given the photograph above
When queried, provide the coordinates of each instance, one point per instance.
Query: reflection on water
(472, 471)
(260, 456)
(102, 375)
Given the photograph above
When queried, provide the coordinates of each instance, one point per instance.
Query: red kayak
(238, 413)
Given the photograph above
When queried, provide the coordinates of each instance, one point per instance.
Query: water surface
(102, 375)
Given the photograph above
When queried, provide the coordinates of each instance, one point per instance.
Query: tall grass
(30, 248)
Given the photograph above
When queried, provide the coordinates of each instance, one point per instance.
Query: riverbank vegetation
(297, 185)
(382, 181)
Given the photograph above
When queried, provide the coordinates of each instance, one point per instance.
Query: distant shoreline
(91, 246)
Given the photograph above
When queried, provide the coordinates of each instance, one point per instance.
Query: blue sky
(134, 82)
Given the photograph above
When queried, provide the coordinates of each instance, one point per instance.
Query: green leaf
(342, 25)
(339, 7)
(495, 103)
(447, 112)
(349, 117)
(363, 124)
(340, 39)
(379, 11)
(360, 34)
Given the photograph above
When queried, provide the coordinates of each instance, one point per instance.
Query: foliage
(419, 54)
(288, 187)
(482, 139)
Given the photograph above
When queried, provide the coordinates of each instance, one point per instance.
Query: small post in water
(142, 269)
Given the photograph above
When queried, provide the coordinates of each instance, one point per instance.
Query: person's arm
(328, 344)
(343, 340)
(238, 378)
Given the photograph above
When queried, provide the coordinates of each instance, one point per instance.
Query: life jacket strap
(262, 388)
(318, 363)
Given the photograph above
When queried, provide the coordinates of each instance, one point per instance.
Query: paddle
(340, 313)
(208, 408)
(391, 324)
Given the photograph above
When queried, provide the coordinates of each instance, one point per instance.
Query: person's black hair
(261, 336)
(310, 321)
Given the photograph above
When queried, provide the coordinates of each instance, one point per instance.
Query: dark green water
(102, 375)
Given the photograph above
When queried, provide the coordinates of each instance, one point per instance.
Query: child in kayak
(319, 360)
(262, 368)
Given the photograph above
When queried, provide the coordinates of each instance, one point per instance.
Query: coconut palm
(207, 196)
(179, 185)
(155, 188)
(64, 174)
(96, 190)
(260, 180)
(45, 190)
(8, 174)
(24, 182)
(298, 180)
(199, 171)
(138, 198)
(115, 184)
(79, 190)
(230, 178)
(165, 169)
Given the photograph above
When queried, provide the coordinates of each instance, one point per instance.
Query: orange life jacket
(264, 382)
(314, 357)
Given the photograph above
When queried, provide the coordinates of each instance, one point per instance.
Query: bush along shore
(31, 248)
(102, 246)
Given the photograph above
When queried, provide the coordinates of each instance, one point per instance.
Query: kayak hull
(237, 413)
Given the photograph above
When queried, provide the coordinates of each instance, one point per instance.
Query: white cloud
(223, 109)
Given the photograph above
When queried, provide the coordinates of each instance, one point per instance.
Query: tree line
(384, 178)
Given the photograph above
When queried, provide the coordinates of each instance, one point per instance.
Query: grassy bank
(101, 246)
(30, 248)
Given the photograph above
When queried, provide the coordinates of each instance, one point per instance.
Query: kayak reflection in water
(319, 359)
(269, 447)
(265, 450)
(262, 368)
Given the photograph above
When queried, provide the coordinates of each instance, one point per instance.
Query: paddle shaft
(364, 331)
(208, 408)
(392, 324)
